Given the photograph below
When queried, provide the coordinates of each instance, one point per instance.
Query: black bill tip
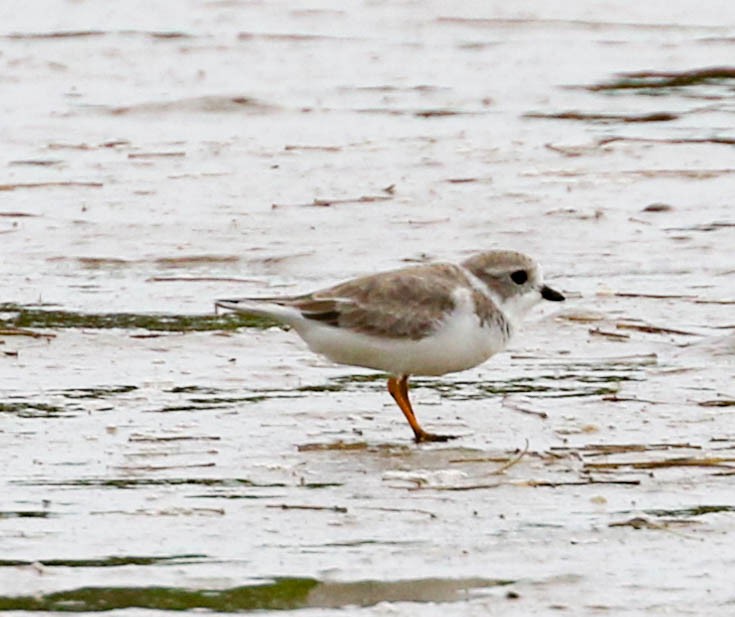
(547, 293)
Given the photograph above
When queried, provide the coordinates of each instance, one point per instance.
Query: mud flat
(159, 457)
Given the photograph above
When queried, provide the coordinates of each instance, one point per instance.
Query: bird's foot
(423, 436)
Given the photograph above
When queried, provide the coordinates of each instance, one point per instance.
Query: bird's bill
(547, 293)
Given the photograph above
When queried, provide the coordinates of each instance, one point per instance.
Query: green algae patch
(281, 594)
(24, 514)
(693, 511)
(25, 409)
(107, 562)
(603, 118)
(567, 380)
(651, 81)
(192, 389)
(16, 316)
(133, 483)
(276, 594)
(98, 392)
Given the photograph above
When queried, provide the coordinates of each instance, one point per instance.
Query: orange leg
(398, 389)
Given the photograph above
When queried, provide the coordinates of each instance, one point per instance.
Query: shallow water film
(159, 457)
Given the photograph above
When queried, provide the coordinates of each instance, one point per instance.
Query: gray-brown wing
(407, 303)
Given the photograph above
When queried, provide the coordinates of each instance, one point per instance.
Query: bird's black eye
(519, 277)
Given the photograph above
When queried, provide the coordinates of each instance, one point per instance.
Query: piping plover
(422, 320)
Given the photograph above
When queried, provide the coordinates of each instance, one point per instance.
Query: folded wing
(408, 303)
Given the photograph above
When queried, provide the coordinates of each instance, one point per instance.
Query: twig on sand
(42, 185)
(198, 279)
(507, 463)
(603, 449)
(719, 402)
(641, 522)
(510, 404)
(612, 335)
(337, 445)
(24, 332)
(627, 294)
(404, 510)
(514, 461)
(642, 327)
(285, 506)
(323, 203)
(688, 461)
(590, 481)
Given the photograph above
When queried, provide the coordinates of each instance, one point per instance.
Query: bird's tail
(262, 307)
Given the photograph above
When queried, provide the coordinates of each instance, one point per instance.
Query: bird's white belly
(461, 343)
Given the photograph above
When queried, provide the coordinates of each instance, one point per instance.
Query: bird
(422, 320)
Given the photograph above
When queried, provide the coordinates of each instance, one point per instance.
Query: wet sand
(158, 457)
